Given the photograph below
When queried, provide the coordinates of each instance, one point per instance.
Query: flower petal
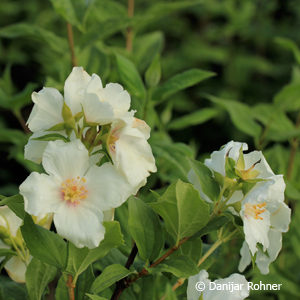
(16, 269)
(107, 188)
(79, 224)
(9, 220)
(281, 218)
(65, 160)
(96, 111)
(41, 194)
(263, 260)
(256, 230)
(74, 89)
(47, 109)
(245, 257)
(192, 292)
(263, 167)
(216, 161)
(117, 97)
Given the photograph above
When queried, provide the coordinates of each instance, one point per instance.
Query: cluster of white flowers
(100, 158)
(259, 194)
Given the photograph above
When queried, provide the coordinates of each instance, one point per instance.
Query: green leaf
(172, 159)
(16, 204)
(38, 275)
(17, 101)
(73, 12)
(130, 77)
(146, 48)
(96, 297)
(56, 43)
(84, 283)
(153, 73)
(213, 225)
(290, 45)
(145, 229)
(170, 294)
(7, 252)
(13, 136)
(10, 290)
(43, 244)
(52, 137)
(80, 259)
(205, 180)
(288, 99)
(108, 277)
(195, 118)
(180, 266)
(241, 115)
(61, 291)
(180, 82)
(182, 209)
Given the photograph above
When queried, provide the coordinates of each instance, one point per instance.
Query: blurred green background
(254, 97)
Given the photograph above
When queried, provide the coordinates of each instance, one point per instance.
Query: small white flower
(100, 105)
(130, 152)
(75, 192)
(234, 287)
(10, 223)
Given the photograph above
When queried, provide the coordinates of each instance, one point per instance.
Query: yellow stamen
(73, 190)
(255, 210)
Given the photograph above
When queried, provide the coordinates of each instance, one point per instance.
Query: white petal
(79, 224)
(96, 111)
(34, 149)
(9, 220)
(236, 197)
(245, 257)
(281, 218)
(117, 97)
(16, 269)
(95, 85)
(41, 194)
(224, 294)
(263, 260)
(256, 231)
(134, 158)
(109, 215)
(107, 188)
(47, 109)
(216, 161)
(263, 167)
(192, 292)
(66, 160)
(74, 89)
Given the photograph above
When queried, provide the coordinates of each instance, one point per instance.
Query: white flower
(130, 152)
(75, 192)
(10, 224)
(263, 211)
(100, 105)
(234, 287)
(265, 217)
